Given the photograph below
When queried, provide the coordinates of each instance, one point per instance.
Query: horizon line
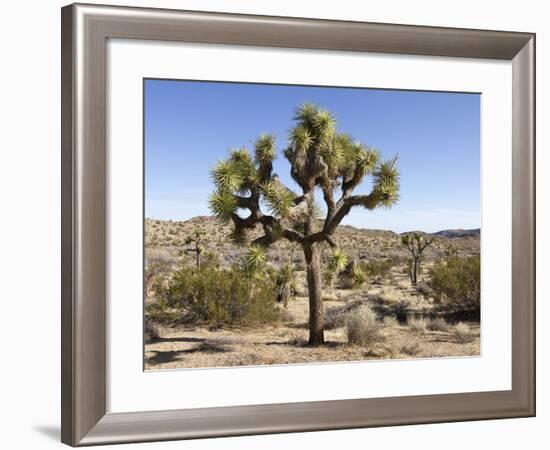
(343, 224)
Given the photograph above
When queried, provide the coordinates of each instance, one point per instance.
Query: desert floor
(286, 343)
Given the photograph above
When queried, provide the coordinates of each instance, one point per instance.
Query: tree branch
(328, 195)
(344, 206)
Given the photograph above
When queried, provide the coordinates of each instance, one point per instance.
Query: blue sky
(190, 125)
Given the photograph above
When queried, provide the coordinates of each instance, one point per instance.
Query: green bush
(159, 312)
(222, 296)
(378, 268)
(456, 284)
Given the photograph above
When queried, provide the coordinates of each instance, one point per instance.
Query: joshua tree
(198, 249)
(416, 244)
(321, 159)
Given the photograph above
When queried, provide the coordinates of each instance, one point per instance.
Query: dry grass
(362, 327)
(410, 348)
(462, 333)
(437, 324)
(417, 324)
(390, 322)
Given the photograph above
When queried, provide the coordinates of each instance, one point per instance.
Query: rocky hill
(165, 240)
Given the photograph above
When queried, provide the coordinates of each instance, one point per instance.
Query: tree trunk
(316, 316)
(415, 271)
(198, 260)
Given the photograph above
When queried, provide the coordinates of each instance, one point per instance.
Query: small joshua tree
(451, 252)
(416, 244)
(338, 260)
(254, 261)
(286, 283)
(197, 248)
(321, 160)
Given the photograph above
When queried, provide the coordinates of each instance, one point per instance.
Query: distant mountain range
(458, 233)
(454, 233)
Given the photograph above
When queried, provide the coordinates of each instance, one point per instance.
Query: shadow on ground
(163, 357)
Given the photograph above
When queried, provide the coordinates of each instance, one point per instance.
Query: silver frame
(85, 30)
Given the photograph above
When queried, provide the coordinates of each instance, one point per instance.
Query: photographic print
(288, 224)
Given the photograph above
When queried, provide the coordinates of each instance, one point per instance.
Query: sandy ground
(187, 347)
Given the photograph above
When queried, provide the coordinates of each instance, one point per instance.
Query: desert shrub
(377, 268)
(159, 312)
(150, 330)
(410, 348)
(417, 323)
(211, 259)
(423, 288)
(362, 328)
(297, 338)
(390, 321)
(456, 284)
(286, 316)
(437, 324)
(462, 333)
(400, 310)
(156, 270)
(390, 296)
(335, 318)
(222, 297)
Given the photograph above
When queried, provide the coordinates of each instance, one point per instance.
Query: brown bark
(316, 317)
(415, 271)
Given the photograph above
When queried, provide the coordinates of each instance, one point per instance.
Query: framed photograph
(286, 224)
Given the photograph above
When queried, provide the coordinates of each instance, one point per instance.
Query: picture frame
(85, 31)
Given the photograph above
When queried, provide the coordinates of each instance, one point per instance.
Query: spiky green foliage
(264, 148)
(338, 260)
(278, 198)
(226, 176)
(358, 277)
(318, 151)
(255, 259)
(223, 204)
(386, 184)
